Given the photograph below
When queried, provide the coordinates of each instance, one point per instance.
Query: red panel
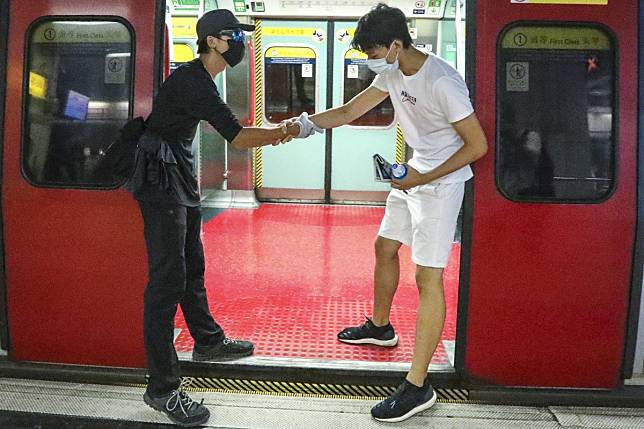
(549, 283)
(75, 259)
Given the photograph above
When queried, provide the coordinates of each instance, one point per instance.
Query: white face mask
(381, 65)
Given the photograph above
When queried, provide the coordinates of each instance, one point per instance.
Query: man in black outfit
(165, 186)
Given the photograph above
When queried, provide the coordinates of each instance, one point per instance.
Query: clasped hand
(306, 126)
(289, 130)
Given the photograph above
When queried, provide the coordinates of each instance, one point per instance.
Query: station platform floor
(31, 404)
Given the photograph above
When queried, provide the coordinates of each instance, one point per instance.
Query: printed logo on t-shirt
(406, 97)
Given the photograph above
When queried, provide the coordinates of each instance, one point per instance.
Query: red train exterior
(549, 289)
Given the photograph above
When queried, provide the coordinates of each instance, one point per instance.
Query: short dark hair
(380, 27)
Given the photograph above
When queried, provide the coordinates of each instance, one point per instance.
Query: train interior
(296, 267)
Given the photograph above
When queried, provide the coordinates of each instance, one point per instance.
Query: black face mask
(235, 53)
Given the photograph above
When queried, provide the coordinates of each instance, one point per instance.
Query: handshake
(305, 128)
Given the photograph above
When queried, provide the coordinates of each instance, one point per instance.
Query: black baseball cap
(213, 22)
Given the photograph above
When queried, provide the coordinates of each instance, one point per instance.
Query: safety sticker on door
(517, 77)
(307, 70)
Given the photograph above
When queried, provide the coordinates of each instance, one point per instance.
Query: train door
(291, 78)
(554, 207)
(353, 145)
(310, 66)
(79, 70)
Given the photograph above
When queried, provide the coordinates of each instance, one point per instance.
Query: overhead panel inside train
(331, 8)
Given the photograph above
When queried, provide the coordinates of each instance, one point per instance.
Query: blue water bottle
(398, 171)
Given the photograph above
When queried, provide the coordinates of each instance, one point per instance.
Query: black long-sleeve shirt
(188, 96)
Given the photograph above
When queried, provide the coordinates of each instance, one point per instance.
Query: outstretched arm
(254, 137)
(352, 110)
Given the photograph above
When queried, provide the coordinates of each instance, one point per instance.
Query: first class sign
(583, 2)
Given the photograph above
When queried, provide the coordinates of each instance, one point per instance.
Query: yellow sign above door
(184, 26)
(586, 2)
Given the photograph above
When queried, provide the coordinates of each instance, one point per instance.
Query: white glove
(307, 127)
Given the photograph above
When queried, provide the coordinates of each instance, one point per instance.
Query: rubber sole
(225, 358)
(151, 404)
(382, 343)
(416, 410)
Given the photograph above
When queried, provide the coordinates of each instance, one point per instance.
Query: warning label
(517, 77)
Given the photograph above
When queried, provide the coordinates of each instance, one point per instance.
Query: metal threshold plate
(266, 361)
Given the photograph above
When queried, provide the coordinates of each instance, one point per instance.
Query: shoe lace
(368, 322)
(180, 399)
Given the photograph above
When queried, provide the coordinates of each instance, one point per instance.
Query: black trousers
(176, 277)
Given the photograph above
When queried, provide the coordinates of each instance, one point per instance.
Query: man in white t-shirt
(433, 108)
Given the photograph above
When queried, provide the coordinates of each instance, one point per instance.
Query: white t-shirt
(426, 105)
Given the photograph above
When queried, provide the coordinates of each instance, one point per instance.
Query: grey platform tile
(354, 406)
(73, 399)
(600, 411)
(255, 411)
(298, 419)
(275, 412)
(599, 418)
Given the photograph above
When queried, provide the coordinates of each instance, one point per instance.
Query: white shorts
(424, 219)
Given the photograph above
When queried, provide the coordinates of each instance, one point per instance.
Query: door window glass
(357, 78)
(290, 82)
(77, 99)
(556, 113)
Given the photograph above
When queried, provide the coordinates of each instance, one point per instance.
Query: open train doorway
(292, 273)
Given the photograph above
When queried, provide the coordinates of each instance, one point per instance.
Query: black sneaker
(228, 349)
(369, 334)
(406, 401)
(178, 406)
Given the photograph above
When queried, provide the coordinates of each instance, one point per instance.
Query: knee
(166, 288)
(161, 300)
(429, 280)
(385, 249)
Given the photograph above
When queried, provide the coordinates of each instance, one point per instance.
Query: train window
(78, 97)
(290, 79)
(357, 77)
(556, 112)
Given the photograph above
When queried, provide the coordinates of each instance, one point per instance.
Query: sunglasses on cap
(236, 35)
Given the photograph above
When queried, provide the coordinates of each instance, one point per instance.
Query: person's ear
(212, 42)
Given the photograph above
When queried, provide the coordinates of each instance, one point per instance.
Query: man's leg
(429, 321)
(395, 229)
(434, 213)
(386, 275)
(415, 394)
(165, 231)
(210, 341)
(434, 218)
(194, 304)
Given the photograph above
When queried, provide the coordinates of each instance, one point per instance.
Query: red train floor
(289, 277)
